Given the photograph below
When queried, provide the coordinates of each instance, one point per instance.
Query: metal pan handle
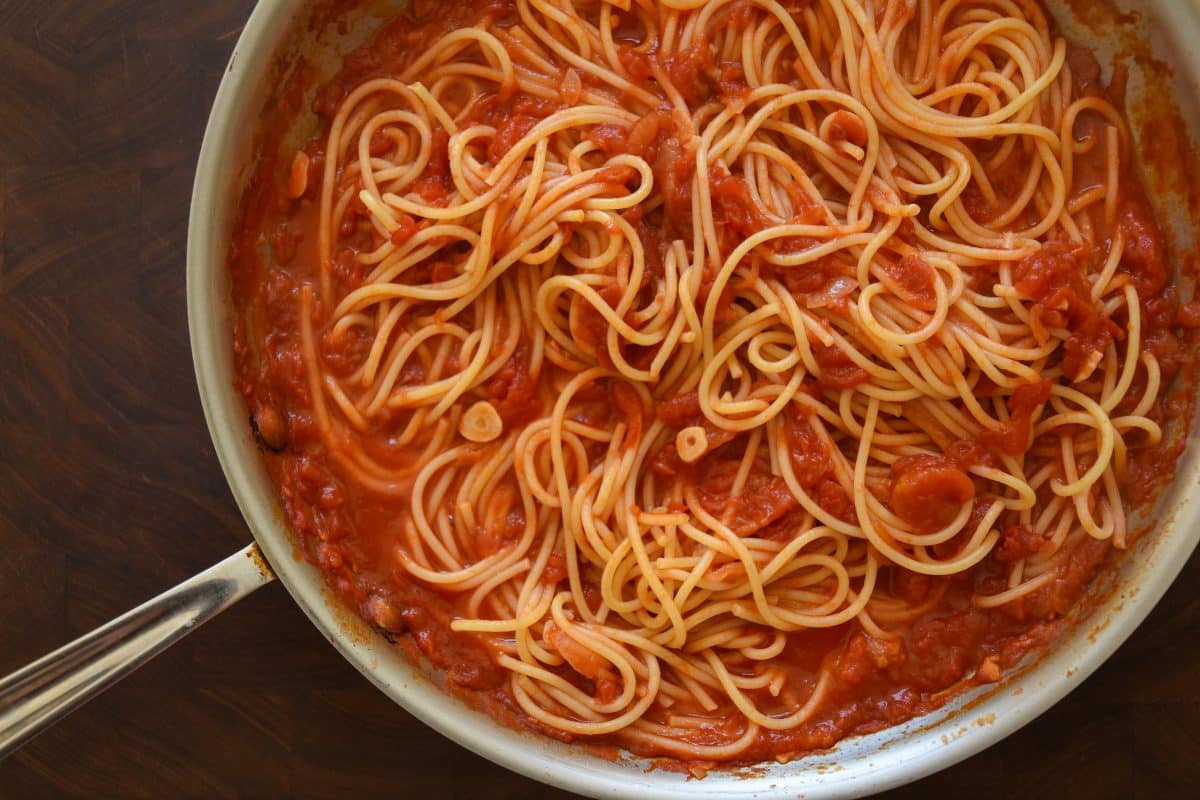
(37, 696)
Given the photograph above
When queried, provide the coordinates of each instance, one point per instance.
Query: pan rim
(863, 766)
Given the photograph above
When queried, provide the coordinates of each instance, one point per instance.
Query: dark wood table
(110, 491)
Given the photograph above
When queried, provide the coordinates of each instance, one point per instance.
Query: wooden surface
(110, 491)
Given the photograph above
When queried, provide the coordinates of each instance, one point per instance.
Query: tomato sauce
(347, 530)
(928, 492)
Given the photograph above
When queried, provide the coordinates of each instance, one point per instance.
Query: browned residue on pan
(1167, 152)
(260, 562)
(1101, 15)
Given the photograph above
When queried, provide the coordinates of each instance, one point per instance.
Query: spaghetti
(695, 353)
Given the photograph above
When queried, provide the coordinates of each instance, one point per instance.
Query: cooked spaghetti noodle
(664, 336)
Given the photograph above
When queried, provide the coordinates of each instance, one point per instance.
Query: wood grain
(110, 491)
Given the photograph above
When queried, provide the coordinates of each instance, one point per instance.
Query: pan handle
(35, 697)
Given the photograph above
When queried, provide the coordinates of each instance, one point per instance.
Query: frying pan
(278, 37)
